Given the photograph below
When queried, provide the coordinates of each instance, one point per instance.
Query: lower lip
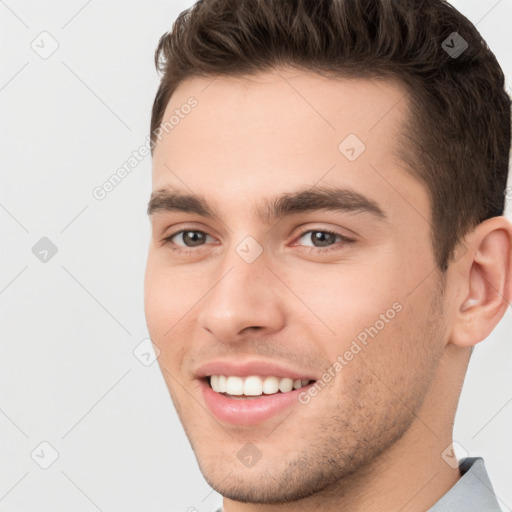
(248, 411)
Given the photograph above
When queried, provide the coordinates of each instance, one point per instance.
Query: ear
(482, 281)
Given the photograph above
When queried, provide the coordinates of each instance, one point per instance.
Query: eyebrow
(301, 201)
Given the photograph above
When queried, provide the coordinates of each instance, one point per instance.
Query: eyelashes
(185, 249)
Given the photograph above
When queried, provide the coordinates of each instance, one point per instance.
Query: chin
(265, 483)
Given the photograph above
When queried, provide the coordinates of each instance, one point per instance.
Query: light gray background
(68, 375)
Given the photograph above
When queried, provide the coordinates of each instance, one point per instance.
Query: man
(328, 245)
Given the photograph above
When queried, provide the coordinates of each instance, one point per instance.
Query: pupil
(320, 237)
(194, 237)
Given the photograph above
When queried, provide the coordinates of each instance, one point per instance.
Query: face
(294, 303)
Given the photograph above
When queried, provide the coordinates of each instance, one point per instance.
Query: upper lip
(250, 367)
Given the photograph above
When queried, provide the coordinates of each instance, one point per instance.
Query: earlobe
(484, 281)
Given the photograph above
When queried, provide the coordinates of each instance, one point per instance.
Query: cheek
(169, 300)
(402, 349)
(155, 300)
(376, 326)
(393, 366)
(167, 297)
(348, 300)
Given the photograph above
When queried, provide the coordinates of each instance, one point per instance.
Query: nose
(244, 296)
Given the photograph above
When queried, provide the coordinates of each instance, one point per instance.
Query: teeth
(254, 385)
(285, 385)
(234, 385)
(270, 385)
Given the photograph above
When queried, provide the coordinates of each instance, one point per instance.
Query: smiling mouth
(253, 386)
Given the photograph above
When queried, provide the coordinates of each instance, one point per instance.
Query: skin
(372, 439)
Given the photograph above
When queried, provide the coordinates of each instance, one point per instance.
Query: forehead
(290, 93)
(276, 131)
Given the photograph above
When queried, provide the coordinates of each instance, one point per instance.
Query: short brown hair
(457, 137)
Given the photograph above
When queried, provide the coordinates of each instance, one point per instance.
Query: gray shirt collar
(472, 493)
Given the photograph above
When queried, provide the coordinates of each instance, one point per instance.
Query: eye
(188, 237)
(323, 239)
